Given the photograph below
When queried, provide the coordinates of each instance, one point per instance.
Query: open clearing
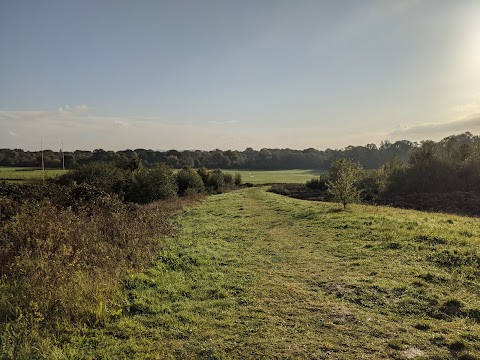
(259, 177)
(25, 173)
(256, 177)
(251, 274)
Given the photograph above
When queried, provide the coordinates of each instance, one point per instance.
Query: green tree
(216, 181)
(344, 173)
(189, 181)
(152, 184)
(105, 176)
(237, 179)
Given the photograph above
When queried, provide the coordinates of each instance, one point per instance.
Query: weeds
(63, 265)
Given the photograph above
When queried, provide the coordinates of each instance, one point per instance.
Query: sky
(207, 74)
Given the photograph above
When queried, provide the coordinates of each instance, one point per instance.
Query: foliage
(105, 176)
(152, 184)
(319, 183)
(250, 274)
(370, 156)
(215, 181)
(189, 181)
(452, 164)
(63, 265)
(370, 185)
(237, 179)
(344, 174)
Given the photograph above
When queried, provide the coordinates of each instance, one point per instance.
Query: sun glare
(471, 46)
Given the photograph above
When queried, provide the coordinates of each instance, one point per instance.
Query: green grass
(251, 274)
(259, 177)
(256, 177)
(22, 173)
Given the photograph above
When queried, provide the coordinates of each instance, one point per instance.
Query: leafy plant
(344, 174)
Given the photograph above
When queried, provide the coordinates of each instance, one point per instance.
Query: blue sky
(225, 74)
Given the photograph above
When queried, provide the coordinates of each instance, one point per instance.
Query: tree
(189, 181)
(105, 176)
(344, 173)
(152, 184)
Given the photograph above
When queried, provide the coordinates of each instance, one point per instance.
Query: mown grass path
(251, 274)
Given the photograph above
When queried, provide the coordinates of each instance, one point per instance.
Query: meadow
(260, 177)
(251, 274)
(26, 173)
(257, 177)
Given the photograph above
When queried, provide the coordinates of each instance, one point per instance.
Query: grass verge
(251, 274)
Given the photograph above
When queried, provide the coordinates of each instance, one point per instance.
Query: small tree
(216, 182)
(237, 179)
(189, 181)
(344, 173)
(105, 176)
(148, 185)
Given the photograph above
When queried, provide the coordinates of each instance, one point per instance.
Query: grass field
(256, 177)
(254, 275)
(259, 177)
(21, 174)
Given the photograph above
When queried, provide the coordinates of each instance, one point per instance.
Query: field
(256, 177)
(251, 274)
(259, 177)
(21, 174)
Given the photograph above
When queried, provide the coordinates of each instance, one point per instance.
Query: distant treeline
(369, 156)
(439, 176)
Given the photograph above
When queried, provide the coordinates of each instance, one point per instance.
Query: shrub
(189, 182)
(105, 176)
(228, 179)
(370, 186)
(152, 184)
(60, 264)
(215, 182)
(319, 183)
(237, 179)
(204, 174)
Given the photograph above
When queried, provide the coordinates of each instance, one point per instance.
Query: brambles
(66, 245)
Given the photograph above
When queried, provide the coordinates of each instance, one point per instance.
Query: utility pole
(43, 162)
(63, 157)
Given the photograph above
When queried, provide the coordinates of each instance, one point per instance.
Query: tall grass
(61, 266)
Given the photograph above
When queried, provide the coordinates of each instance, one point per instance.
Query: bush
(65, 261)
(204, 174)
(237, 179)
(228, 179)
(189, 182)
(215, 182)
(319, 183)
(63, 265)
(370, 186)
(153, 184)
(105, 176)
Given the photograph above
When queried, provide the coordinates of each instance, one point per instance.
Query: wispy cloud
(471, 123)
(468, 109)
(121, 124)
(229, 122)
(80, 127)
